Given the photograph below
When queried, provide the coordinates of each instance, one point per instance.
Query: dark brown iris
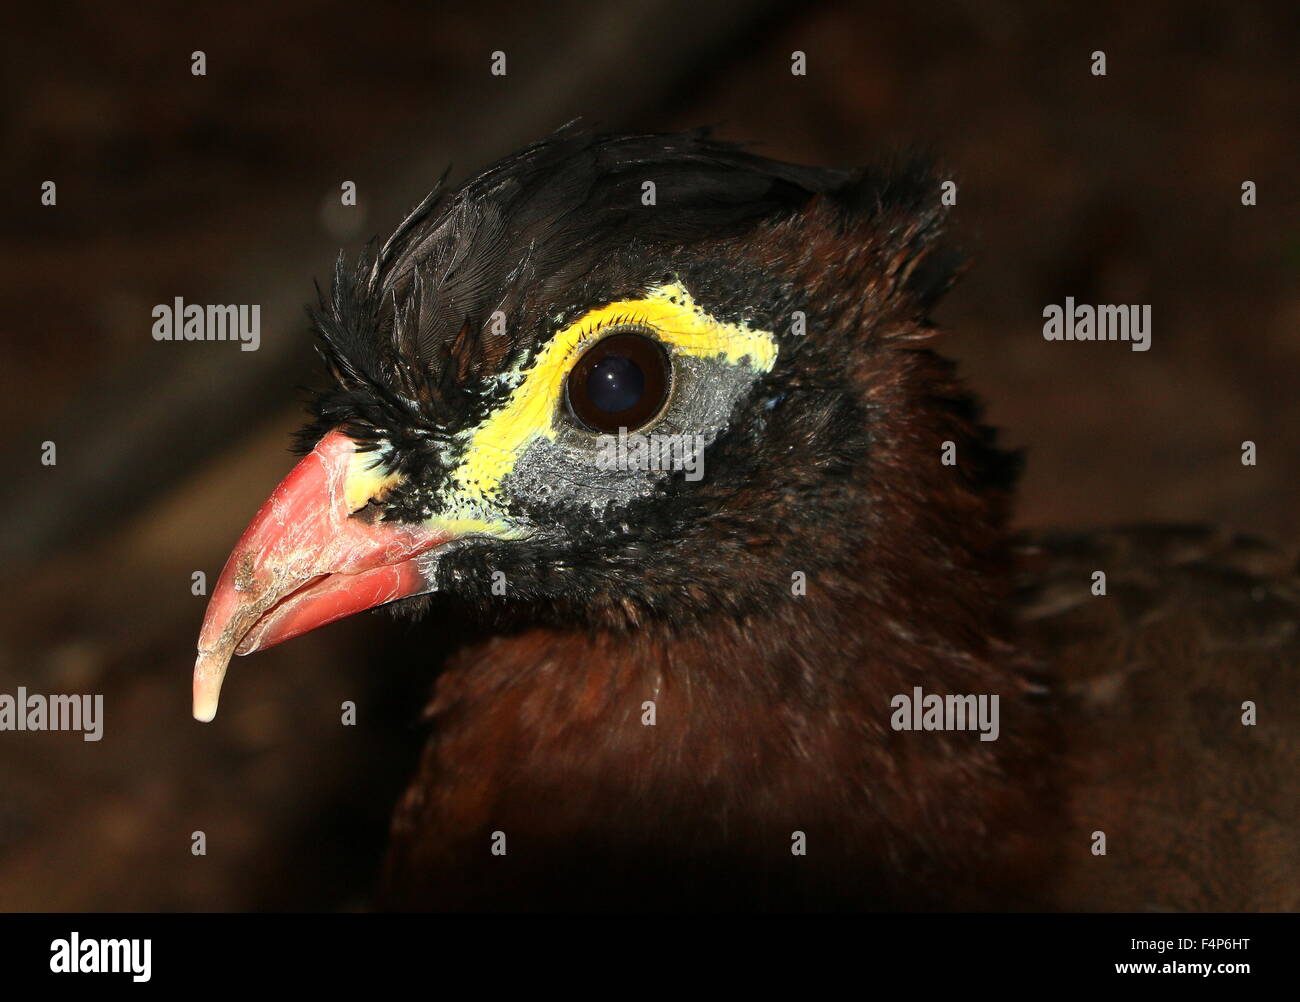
(621, 381)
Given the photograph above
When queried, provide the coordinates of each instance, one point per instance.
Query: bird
(668, 421)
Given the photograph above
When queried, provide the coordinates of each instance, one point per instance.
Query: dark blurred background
(224, 189)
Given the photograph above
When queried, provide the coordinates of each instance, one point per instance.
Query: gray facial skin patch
(564, 472)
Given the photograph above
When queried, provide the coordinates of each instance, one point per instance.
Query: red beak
(305, 560)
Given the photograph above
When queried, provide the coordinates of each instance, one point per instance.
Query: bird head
(611, 381)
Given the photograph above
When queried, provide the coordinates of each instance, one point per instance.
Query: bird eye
(621, 381)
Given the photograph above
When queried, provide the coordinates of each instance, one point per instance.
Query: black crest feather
(407, 332)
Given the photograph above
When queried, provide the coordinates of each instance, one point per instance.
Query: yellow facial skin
(471, 504)
(366, 480)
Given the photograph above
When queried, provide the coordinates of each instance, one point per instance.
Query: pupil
(615, 383)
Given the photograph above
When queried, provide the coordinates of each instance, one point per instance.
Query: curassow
(665, 415)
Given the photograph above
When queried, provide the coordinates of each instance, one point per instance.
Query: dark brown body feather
(767, 723)
(1140, 737)
(1201, 812)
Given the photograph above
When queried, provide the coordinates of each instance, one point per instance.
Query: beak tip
(207, 689)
